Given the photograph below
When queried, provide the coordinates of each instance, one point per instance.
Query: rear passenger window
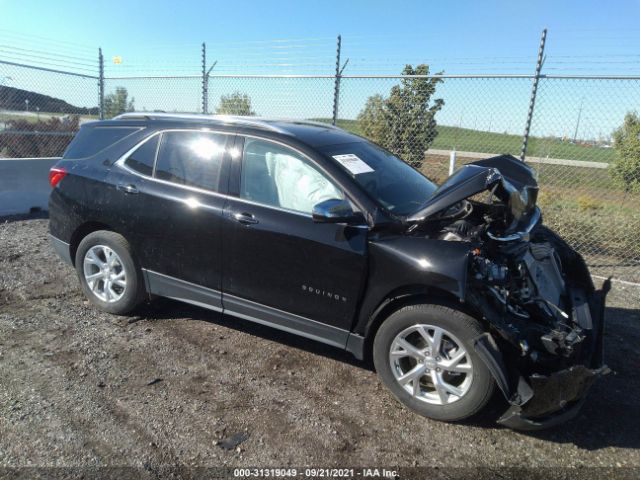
(141, 160)
(91, 140)
(191, 158)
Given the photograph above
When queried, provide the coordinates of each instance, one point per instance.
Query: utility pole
(534, 91)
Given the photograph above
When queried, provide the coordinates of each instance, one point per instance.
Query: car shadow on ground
(166, 309)
(35, 214)
(610, 416)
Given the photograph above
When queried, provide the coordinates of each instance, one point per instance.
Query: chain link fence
(41, 109)
(583, 195)
(589, 202)
(167, 94)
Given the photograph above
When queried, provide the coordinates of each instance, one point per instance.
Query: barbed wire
(316, 54)
(24, 38)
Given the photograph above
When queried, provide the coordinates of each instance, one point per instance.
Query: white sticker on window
(353, 163)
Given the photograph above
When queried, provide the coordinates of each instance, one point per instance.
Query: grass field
(467, 140)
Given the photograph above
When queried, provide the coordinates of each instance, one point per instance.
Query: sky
(252, 37)
(458, 27)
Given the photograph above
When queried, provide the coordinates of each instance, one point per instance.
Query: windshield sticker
(353, 163)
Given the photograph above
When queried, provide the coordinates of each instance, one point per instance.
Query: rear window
(90, 141)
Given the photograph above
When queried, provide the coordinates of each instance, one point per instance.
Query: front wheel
(107, 272)
(424, 354)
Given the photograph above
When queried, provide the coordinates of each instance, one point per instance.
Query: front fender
(397, 262)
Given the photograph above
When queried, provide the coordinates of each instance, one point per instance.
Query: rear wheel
(424, 354)
(108, 273)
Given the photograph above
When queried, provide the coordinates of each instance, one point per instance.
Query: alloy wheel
(431, 364)
(104, 273)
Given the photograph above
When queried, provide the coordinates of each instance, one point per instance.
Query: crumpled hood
(512, 181)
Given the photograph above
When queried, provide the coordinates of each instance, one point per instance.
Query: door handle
(245, 218)
(128, 188)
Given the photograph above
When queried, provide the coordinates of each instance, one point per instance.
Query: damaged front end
(538, 298)
(545, 318)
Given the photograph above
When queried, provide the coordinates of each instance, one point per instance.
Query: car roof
(312, 133)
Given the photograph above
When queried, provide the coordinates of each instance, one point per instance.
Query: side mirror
(335, 210)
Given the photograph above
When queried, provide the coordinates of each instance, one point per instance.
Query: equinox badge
(323, 293)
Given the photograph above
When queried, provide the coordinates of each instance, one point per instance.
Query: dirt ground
(81, 388)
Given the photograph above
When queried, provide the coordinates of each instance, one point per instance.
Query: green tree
(117, 103)
(235, 104)
(372, 118)
(404, 123)
(626, 169)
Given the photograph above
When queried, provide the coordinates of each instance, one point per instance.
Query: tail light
(55, 175)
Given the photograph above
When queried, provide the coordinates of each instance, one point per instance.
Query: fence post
(336, 88)
(452, 162)
(534, 90)
(100, 84)
(205, 92)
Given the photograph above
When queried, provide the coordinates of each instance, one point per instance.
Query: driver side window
(280, 177)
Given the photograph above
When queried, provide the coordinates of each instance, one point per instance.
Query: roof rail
(256, 122)
(313, 123)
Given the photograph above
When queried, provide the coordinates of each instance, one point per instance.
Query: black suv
(454, 290)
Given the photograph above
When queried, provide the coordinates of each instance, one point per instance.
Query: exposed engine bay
(533, 291)
(521, 277)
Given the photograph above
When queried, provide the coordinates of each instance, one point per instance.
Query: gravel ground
(81, 388)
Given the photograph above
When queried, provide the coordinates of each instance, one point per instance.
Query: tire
(470, 378)
(107, 292)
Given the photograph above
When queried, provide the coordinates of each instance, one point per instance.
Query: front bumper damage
(555, 398)
(540, 401)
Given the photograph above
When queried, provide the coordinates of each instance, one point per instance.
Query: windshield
(392, 183)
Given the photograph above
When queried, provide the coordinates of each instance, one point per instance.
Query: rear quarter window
(91, 140)
(143, 157)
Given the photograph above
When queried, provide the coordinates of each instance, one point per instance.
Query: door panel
(282, 259)
(288, 262)
(175, 225)
(182, 238)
